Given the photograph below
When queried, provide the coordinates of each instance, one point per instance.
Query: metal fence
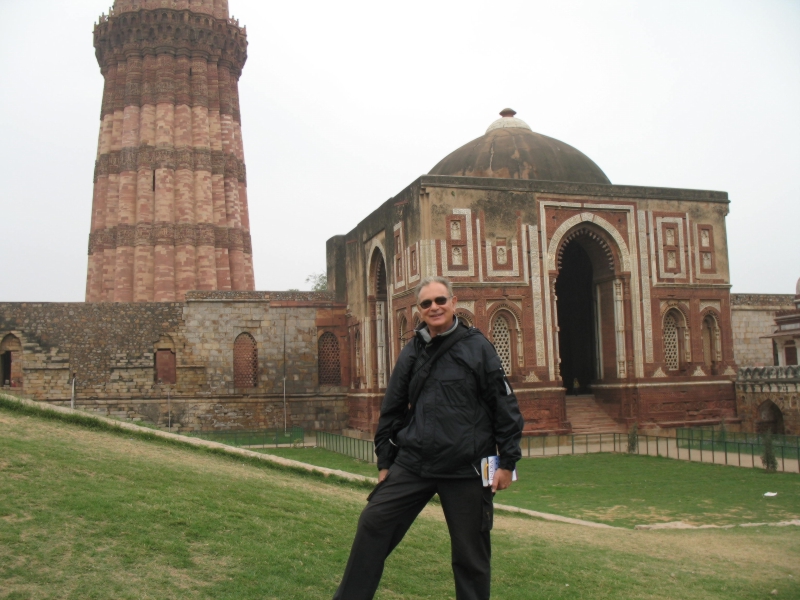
(737, 453)
(703, 437)
(262, 438)
(353, 447)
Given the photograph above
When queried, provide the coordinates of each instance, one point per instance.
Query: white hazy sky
(345, 103)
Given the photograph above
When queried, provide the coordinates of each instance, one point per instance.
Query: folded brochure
(489, 465)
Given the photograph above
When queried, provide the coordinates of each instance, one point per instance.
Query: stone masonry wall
(753, 316)
(110, 347)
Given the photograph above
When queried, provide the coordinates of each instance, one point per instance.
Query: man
(463, 410)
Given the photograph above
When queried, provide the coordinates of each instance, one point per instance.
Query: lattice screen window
(671, 342)
(245, 361)
(502, 342)
(328, 360)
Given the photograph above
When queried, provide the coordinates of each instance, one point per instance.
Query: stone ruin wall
(110, 347)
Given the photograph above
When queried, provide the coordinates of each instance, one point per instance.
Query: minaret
(169, 212)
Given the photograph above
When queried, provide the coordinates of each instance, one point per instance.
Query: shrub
(768, 458)
(633, 439)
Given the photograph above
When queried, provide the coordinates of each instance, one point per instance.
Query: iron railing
(264, 437)
(352, 447)
(736, 453)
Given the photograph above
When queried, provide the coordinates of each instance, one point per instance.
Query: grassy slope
(92, 514)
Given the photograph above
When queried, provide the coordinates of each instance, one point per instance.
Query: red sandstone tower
(169, 212)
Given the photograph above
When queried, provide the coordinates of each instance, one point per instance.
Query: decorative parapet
(768, 373)
(778, 380)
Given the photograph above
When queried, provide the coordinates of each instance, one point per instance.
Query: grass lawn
(94, 514)
(324, 458)
(627, 490)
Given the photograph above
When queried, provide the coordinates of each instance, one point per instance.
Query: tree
(318, 281)
(633, 439)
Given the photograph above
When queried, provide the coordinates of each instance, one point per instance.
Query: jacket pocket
(379, 486)
(455, 392)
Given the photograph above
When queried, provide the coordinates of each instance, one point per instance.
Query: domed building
(608, 304)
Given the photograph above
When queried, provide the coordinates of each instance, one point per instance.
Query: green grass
(94, 513)
(324, 458)
(627, 490)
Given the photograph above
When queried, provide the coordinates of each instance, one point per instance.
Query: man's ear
(454, 299)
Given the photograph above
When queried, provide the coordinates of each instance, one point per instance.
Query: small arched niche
(165, 364)
(11, 361)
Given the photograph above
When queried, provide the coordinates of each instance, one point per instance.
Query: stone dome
(510, 150)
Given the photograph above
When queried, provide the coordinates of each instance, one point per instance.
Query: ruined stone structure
(768, 398)
(169, 211)
(581, 285)
(222, 357)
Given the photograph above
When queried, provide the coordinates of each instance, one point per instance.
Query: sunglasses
(440, 301)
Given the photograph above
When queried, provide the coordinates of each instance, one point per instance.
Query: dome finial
(506, 120)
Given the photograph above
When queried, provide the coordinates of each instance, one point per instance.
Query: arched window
(245, 362)
(328, 360)
(677, 343)
(165, 361)
(501, 335)
(464, 318)
(711, 343)
(671, 342)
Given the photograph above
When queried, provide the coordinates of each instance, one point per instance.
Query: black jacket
(466, 411)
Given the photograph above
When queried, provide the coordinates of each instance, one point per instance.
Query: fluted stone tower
(169, 211)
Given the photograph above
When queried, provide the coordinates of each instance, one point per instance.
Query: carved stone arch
(678, 306)
(513, 309)
(376, 254)
(586, 232)
(711, 336)
(465, 316)
(769, 418)
(601, 223)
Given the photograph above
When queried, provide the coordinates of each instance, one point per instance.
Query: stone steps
(586, 416)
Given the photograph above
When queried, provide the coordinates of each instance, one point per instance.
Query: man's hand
(501, 479)
(382, 474)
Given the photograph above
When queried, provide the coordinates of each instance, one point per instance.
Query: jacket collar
(425, 334)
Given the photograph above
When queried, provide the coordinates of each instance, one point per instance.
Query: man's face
(439, 317)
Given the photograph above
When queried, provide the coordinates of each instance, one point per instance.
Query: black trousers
(392, 508)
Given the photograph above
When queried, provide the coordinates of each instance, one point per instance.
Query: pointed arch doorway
(576, 319)
(378, 301)
(587, 307)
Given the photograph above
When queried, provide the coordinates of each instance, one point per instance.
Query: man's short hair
(435, 279)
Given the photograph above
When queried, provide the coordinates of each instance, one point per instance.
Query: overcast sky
(346, 103)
